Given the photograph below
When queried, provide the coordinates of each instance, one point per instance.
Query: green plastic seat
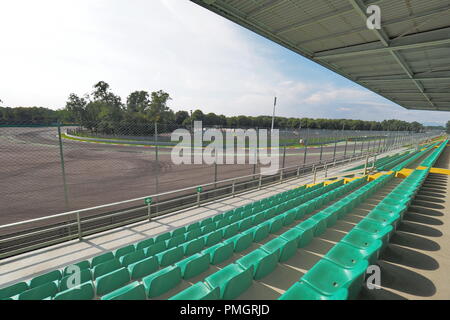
(69, 280)
(194, 234)
(245, 224)
(301, 237)
(259, 232)
(178, 232)
(276, 223)
(175, 241)
(106, 267)
(222, 223)
(289, 217)
(213, 238)
(230, 230)
(193, 265)
(193, 226)
(193, 246)
(13, 290)
(384, 218)
(321, 221)
(380, 231)
(309, 226)
(162, 237)
(218, 217)
(123, 251)
(162, 281)
(54, 275)
(365, 241)
(101, 258)
(170, 256)
(132, 291)
(240, 241)
(82, 265)
(219, 252)
(284, 249)
(208, 228)
(258, 218)
(156, 248)
(198, 291)
(143, 267)
(84, 291)
(144, 243)
(231, 280)
(260, 261)
(205, 222)
(112, 281)
(302, 291)
(49, 289)
(328, 277)
(347, 256)
(132, 257)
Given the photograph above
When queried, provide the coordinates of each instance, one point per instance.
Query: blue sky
(51, 48)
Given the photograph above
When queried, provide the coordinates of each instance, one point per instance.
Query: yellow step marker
(404, 173)
(440, 171)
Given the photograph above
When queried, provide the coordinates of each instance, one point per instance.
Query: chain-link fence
(53, 169)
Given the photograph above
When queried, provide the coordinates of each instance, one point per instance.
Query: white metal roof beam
(385, 23)
(384, 38)
(321, 18)
(415, 41)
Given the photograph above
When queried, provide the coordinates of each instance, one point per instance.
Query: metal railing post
(260, 181)
(149, 212)
(198, 198)
(233, 188)
(80, 234)
(63, 168)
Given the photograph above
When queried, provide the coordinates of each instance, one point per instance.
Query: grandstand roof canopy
(406, 61)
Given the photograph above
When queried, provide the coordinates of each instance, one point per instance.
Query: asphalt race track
(31, 180)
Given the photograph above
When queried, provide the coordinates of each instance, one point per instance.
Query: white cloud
(51, 48)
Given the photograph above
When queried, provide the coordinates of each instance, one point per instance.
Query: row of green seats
(410, 160)
(125, 256)
(234, 279)
(393, 163)
(141, 261)
(432, 158)
(340, 274)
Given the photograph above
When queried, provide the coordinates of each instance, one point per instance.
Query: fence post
(321, 151)
(157, 161)
(260, 181)
(345, 150)
(304, 156)
(281, 175)
(63, 168)
(315, 174)
(233, 188)
(149, 212)
(198, 198)
(80, 234)
(366, 163)
(326, 170)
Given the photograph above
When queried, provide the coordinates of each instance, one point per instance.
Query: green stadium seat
(143, 267)
(170, 256)
(260, 261)
(162, 281)
(302, 291)
(84, 291)
(193, 226)
(289, 217)
(259, 232)
(327, 277)
(68, 281)
(54, 275)
(230, 230)
(156, 248)
(82, 265)
(309, 228)
(219, 252)
(213, 238)
(112, 281)
(162, 237)
(194, 234)
(276, 223)
(240, 241)
(284, 249)
(231, 280)
(49, 289)
(348, 256)
(208, 228)
(101, 258)
(123, 251)
(106, 267)
(132, 291)
(222, 223)
(205, 222)
(132, 257)
(193, 246)
(378, 230)
(13, 290)
(198, 291)
(178, 232)
(144, 243)
(175, 241)
(245, 224)
(218, 217)
(193, 265)
(301, 237)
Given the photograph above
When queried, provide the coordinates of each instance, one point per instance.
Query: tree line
(105, 112)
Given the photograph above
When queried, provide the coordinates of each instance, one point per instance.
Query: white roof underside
(407, 61)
